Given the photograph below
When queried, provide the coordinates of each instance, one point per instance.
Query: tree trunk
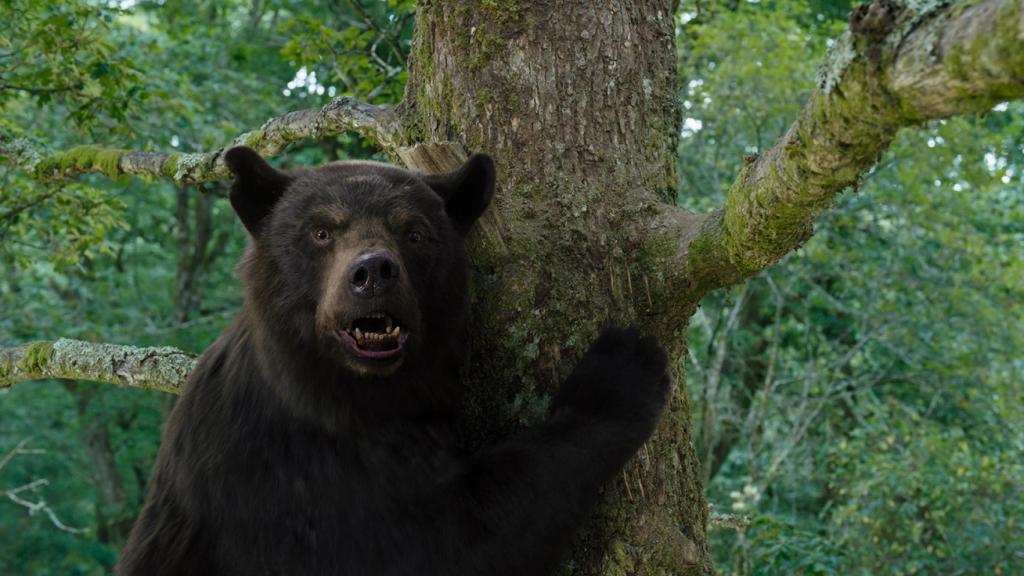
(112, 519)
(577, 102)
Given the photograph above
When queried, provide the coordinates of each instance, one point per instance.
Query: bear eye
(322, 235)
(415, 236)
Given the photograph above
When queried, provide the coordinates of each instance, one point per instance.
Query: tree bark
(342, 114)
(577, 101)
(162, 368)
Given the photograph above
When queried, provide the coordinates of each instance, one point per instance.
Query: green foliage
(68, 52)
(873, 377)
(929, 498)
(777, 545)
(359, 53)
(67, 222)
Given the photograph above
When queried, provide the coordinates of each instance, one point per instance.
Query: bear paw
(623, 377)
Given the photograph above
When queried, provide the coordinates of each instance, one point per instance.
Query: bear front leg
(522, 500)
(619, 388)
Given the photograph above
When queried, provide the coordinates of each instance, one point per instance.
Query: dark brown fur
(289, 454)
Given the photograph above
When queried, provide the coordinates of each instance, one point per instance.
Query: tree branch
(39, 505)
(902, 63)
(165, 369)
(342, 114)
(718, 519)
(36, 90)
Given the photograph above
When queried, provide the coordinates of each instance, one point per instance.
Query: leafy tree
(908, 297)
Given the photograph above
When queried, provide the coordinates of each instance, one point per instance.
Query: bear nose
(373, 274)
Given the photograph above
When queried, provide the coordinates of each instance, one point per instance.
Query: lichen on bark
(156, 368)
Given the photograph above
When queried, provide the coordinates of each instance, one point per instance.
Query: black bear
(316, 436)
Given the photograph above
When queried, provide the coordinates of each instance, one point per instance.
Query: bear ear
(256, 188)
(467, 191)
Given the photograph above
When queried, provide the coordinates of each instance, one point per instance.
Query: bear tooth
(397, 330)
(389, 324)
(359, 334)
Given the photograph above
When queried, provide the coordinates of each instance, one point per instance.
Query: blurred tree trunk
(577, 102)
(113, 519)
(197, 248)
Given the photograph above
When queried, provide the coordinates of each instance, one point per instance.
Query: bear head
(360, 263)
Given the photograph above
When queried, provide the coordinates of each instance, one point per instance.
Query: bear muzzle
(377, 336)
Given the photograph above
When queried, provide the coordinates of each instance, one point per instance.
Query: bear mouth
(377, 337)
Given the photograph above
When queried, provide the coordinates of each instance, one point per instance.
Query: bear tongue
(379, 345)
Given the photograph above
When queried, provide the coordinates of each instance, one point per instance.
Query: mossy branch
(161, 368)
(380, 124)
(902, 63)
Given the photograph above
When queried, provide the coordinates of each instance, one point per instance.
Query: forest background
(857, 406)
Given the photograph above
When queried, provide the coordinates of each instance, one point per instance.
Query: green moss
(619, 561)
(1009, 37)
(433, 107)
(771, 213)
(422, 70)
(701, 247)
(964, 64)
(170, 166)
(252, 139)
(37, 356)
(445, 108)
(501, 10)
(485, 46)
(423, 57)
(737, 227)
(484, 98)
(83, 159)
